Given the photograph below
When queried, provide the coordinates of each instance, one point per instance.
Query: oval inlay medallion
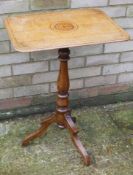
(64, 26)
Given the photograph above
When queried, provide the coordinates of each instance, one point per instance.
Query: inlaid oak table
(62, 30)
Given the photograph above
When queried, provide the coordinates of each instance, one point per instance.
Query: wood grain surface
(60, 29)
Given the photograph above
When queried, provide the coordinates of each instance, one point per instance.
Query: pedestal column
(63, 86)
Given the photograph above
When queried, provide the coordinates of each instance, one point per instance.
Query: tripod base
(67, 123)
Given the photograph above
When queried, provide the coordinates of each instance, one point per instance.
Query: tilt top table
(62, 29)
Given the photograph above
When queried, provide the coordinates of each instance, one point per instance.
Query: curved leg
(81, 149)
(41, 131)
(71, 125)
(73, 130)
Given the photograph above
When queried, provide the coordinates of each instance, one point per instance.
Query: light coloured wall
(27, 78)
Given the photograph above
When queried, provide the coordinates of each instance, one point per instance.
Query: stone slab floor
(106, 131)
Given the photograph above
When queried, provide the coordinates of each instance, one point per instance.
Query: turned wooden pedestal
(62, 29)
(62, 115)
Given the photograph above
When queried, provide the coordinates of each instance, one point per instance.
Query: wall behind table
(96, 71)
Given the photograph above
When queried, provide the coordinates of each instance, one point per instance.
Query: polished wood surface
(62, 116)
(60, 29)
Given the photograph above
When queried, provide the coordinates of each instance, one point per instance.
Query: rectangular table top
(60, 29)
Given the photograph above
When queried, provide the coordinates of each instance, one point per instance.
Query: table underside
(60, 29)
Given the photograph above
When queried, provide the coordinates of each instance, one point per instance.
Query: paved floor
(106, 131)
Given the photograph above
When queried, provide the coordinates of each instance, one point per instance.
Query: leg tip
(87, 160)
(24, 143)
(92, 159)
